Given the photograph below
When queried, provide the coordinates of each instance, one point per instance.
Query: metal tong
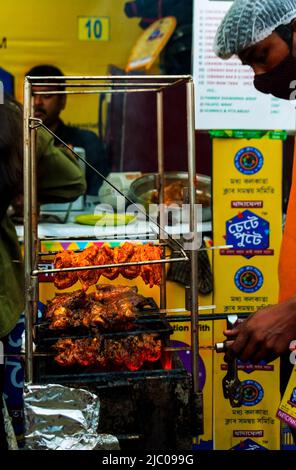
(232, 388)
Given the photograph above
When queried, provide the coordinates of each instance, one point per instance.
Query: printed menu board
(225, 95)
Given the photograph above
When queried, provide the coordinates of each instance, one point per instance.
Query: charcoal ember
(128, 353)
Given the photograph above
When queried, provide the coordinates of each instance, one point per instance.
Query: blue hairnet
(250, 21)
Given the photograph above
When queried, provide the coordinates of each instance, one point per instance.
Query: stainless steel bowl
(144, 190)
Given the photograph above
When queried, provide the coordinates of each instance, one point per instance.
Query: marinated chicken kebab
(130, 353)
(110, 307)
(95, 256)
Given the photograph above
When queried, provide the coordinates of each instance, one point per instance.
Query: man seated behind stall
(48, 108)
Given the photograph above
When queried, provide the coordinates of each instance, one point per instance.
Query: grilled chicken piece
(55, 304)
(106, 293)
(135, 357)
(132, 272)
(117, 311)
(134, 361)
(114, 316)
(115, 352)
(125, 308)
(71, 301)
(71, 319)
(128, 253)
(152, 348)
(87, 352)
(151, 274)
(66, 310)
(134, 299)
(84, 352)
(60, 322)
(87, 258)
(68, 279)
(65, 356)
(120, 315)
(93, 315)
(110, 256)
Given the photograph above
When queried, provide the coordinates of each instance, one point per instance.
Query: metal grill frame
(107, 85)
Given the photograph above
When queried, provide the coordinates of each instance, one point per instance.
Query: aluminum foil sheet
(63, 418)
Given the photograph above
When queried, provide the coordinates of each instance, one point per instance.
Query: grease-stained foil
(63, 418)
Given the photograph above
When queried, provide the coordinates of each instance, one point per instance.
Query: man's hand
(266, 334)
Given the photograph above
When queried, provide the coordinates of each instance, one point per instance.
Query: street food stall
(97, 326)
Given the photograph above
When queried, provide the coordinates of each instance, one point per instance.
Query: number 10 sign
(93, 28)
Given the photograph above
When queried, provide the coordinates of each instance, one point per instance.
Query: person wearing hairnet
(262, 33)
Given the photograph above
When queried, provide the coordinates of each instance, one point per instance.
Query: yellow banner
(247, 195)
(247, 218)
(252, 426)
(151, 43)
(287, 409)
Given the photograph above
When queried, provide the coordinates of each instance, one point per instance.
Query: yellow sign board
(247, 218)
(252, 426)
(247, 194)
(93, 28)
(287, 409)
(151, 43)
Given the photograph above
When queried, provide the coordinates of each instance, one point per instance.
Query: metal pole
(197, 395)
(160, 186)
(123, 130)
(108, 266)
(110, 78)
(34, 206)
(28, 239)
(34, 220)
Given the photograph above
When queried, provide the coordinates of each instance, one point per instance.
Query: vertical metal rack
(96, 85)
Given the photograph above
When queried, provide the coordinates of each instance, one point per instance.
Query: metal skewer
(107, 266)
